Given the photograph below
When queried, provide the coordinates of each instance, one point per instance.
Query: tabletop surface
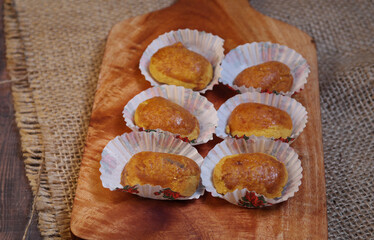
(15, 193)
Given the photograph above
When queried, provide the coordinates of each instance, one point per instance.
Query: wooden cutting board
(99, 213)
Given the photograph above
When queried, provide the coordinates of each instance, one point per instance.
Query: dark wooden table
(15, 192)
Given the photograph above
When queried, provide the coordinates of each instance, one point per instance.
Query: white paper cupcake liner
(205, 44)
(120, 150)
(250, 199)
(255, 53)
(196, 104)
(297, 112)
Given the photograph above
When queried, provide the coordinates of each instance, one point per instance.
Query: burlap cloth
(54, 51)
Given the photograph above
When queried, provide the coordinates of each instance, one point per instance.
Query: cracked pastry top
(259, 120)
(161, 113)
(271, 76)
(179, 173)
(257, 172)
(176, 65)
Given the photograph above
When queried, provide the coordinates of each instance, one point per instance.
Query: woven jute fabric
(344, 35)
(54, 52)
(55, 49)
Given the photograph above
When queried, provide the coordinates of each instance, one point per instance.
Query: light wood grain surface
(101, 214)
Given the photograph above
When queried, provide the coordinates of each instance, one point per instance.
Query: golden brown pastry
(160, 113)
(272, 76)
(259, 120)
(257, 172)
(176, 65)
(179, 173)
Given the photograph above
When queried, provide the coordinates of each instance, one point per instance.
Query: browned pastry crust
(259, 120)
(257, 172)
(176, 172)
(272, 76)
(161, 113)
(176, 65)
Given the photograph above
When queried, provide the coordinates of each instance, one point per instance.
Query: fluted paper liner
(196, 104)
(205, 44)
(282, 151)
(297, 112)
(120, 150)
(255, 53)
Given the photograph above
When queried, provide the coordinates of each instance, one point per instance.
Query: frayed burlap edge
(28, 125)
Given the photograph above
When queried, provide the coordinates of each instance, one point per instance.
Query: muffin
(179, 173)
(176, 65)
(271, 76)
(161, 113)
(257, 172)
(259, 120)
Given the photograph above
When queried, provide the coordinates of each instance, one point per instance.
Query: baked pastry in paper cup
(119, 151)
(287, 113)
(253, 54)
(191, 101)
(258, 145)
(185, 62)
